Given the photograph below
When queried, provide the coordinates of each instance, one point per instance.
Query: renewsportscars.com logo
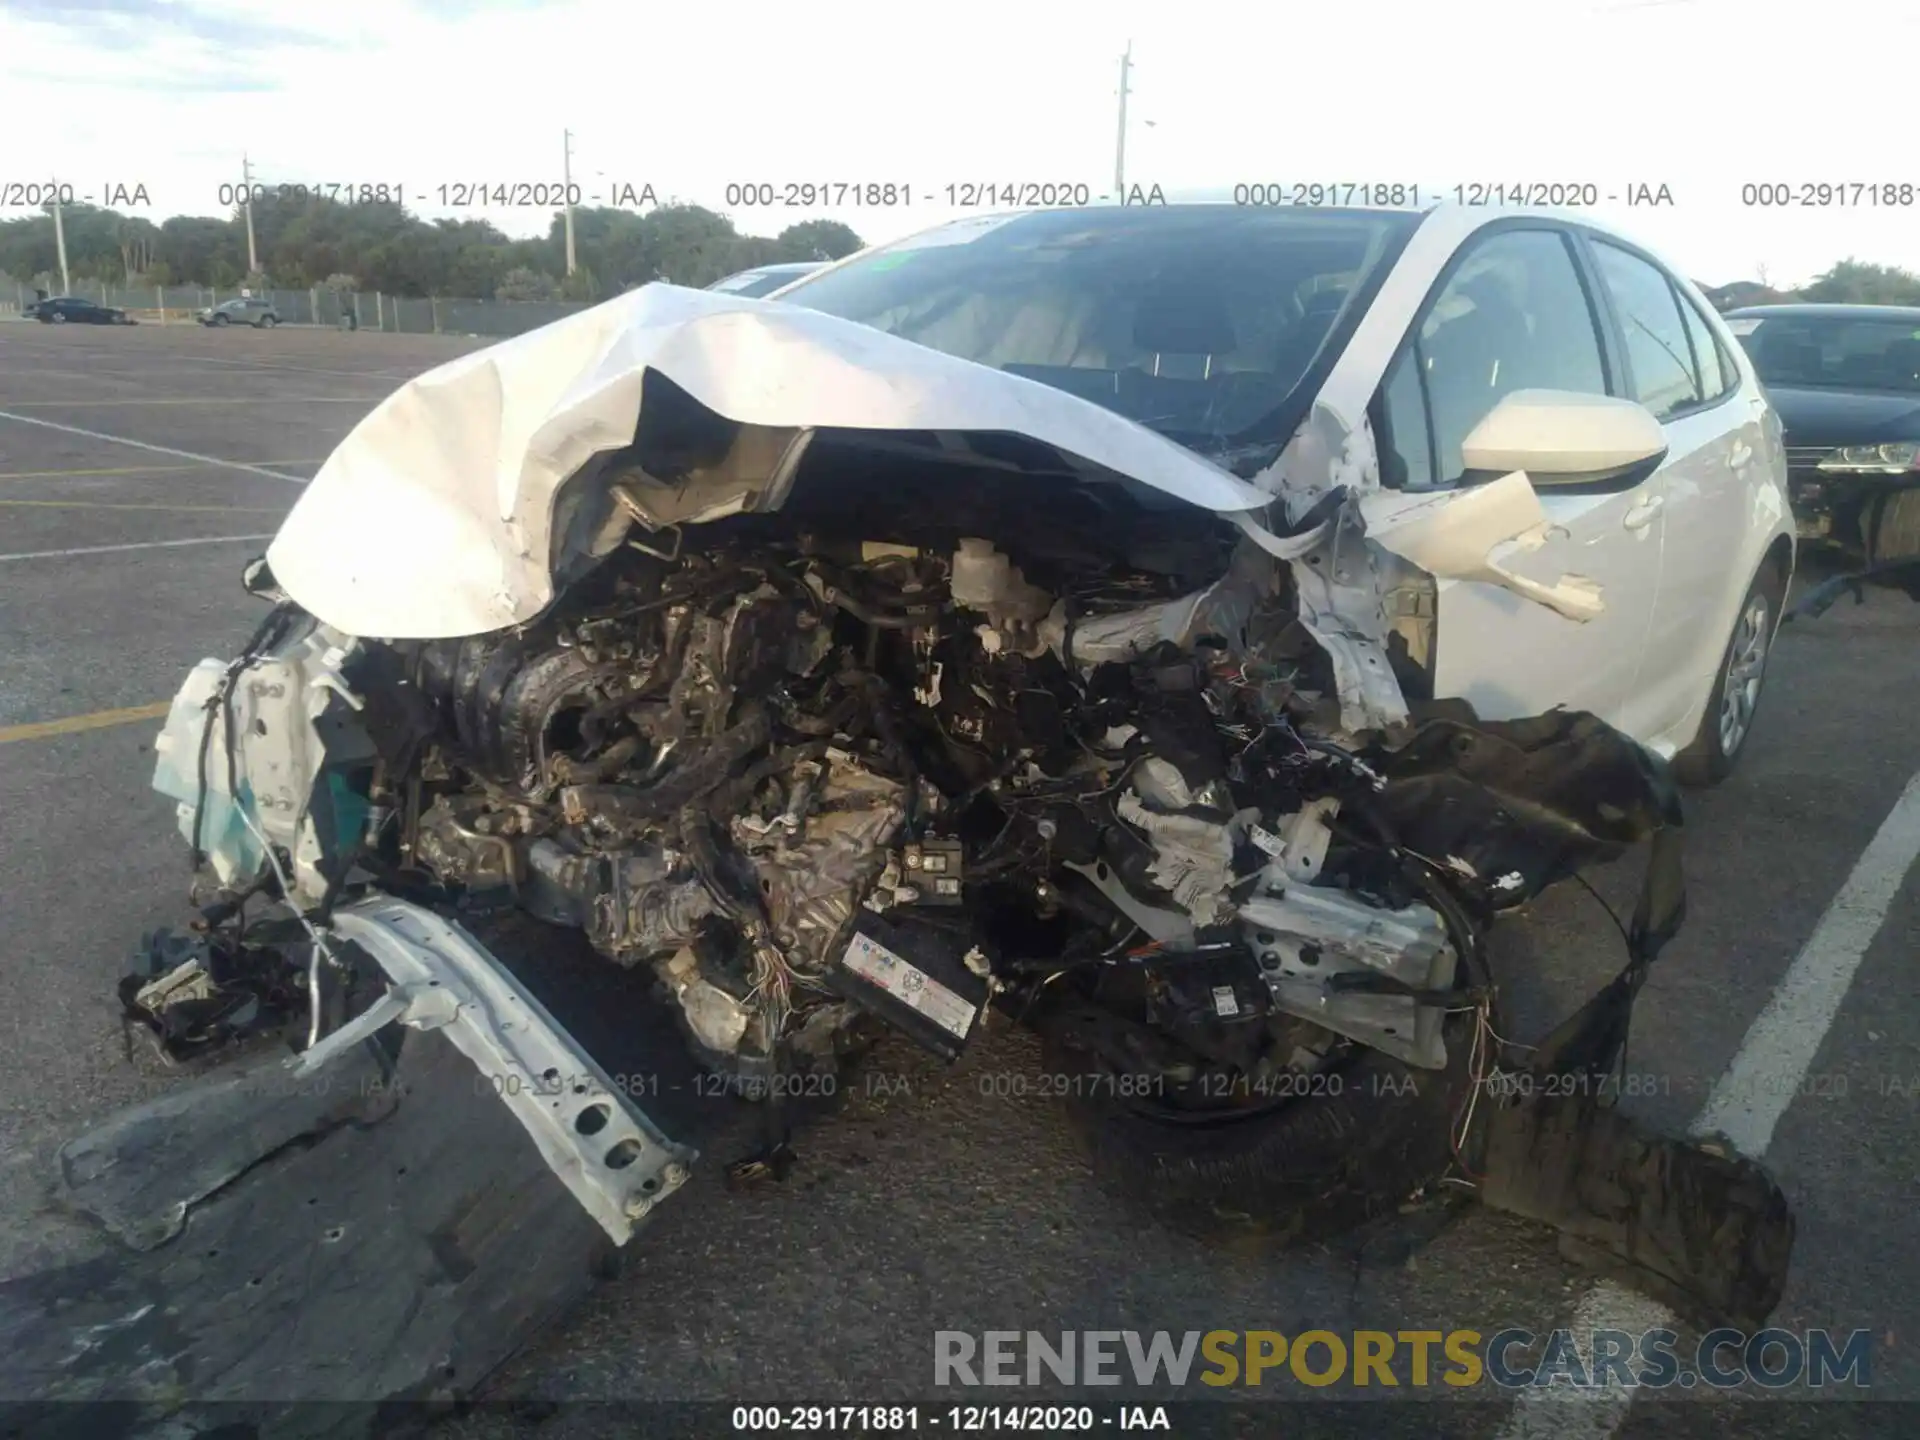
(1512, 1359)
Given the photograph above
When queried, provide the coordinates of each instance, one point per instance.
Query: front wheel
(1727, 724)
(218, 320)
(56, 318)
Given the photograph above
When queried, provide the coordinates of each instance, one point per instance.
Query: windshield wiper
(1242, 460)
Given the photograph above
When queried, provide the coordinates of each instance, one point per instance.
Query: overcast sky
(1690, 94)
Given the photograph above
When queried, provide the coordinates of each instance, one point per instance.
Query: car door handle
(1641, 515)
(1740, 455)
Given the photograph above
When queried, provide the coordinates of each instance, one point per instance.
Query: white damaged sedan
(1527, 407)
(1185, 629)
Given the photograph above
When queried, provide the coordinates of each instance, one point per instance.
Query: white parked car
(1185, 629)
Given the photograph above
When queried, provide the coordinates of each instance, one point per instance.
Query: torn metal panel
(1464, 535)
(1340, 590)
(399, 1259)
(465, 462)
(141, 1172)
(1330, 452)
(1340, 583)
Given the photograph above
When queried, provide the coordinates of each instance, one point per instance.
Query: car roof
(1448, 221)
(1829, 312)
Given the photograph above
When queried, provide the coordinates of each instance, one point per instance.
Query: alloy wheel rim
(1746, 666)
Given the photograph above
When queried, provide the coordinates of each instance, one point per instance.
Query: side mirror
(1563, 437)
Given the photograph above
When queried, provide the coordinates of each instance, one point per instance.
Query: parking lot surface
(139, 469)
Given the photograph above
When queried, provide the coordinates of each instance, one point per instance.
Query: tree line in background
(1851, 282)
(313, 240)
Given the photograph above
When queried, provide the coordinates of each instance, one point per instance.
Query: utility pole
(566, 178)
(246, 190)
(60, 242)
(1120, 140)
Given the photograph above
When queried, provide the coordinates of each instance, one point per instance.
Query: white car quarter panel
(1710, 482)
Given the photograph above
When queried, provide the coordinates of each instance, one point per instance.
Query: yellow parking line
(133, 470)
(184, 509)
(74, 724)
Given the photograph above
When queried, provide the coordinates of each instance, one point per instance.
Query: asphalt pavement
(139, 469)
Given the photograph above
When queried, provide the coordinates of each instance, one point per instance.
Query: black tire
(1723, 735)
(1893, 527)
(56, 318)
(267, 322)
(1311, 1167)
(218, 320)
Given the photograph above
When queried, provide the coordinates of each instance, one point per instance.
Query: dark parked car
(247, 310)
(1846, 381)
(72, 310)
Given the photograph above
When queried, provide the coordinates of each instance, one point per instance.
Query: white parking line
(213, 460)
(1746, 1104)
(1780, 1046)
(138, 545)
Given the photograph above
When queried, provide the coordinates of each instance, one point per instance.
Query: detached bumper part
(1704, 1230)
(386, 1217)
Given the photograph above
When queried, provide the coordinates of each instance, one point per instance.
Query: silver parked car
(247, 310)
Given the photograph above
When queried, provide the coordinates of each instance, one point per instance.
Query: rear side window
(1659, 355)
(1513, 316)
(1717, 375)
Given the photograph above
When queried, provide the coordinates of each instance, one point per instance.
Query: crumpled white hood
(433, 518)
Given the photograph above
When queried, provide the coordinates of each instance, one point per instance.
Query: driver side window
(1515, 315)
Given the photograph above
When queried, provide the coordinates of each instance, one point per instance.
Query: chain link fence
(361, 310)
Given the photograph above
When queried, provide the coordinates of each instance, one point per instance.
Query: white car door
(1715, 440)
(1516, 313)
